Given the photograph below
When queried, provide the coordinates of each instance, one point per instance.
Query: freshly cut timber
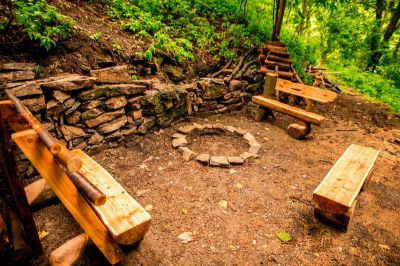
(125, 219)
(289, 110)
(339, 189)
(312, 93)
(273, 64)
(41, 158)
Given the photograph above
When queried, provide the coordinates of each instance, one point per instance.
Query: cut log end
(299, 130)
(69, 253)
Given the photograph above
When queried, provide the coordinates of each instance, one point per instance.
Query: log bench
(336, 195)
(269, 101)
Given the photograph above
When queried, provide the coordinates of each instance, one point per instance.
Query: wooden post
(18, 202)
(268, 92)
(68, 194)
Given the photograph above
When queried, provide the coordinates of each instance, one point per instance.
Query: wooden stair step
(273, 64)
(340, 187)
(279, 59)
(275, 43)
(279, 53)
(282, 74)
(309, 92)
(295, 112)
(276, 48)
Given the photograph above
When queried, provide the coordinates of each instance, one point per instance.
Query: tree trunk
(392, 27)
(280, 5)
(375, 40)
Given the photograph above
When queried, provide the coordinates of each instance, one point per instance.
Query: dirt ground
(267, 195)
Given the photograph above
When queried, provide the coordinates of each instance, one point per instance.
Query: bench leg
(299, 130)
(339, 221)
(263, 113)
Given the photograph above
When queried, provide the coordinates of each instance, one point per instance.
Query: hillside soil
(265, 196)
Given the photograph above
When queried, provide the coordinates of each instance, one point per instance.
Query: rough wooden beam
(126, 220)
(289, 110)
(65, 190)
(340, 187)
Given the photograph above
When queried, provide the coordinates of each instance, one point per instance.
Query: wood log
(282, 74)
(279, 53)
(125, 219)
(340, 187)
(281, 65)
(68, 194)
(279, 59)
(275, 43)
(69, 253)
(216, 74)
(39, 193)
(275, 48)
(299, 130)
(298, 113)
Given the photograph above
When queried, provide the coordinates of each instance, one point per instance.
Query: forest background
(357, 41)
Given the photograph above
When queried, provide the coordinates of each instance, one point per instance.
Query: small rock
(178, 142)
(104, 118)
(178, 135)
(54, 108)
(148, 123)
(113, 125)
(116, 103)
(235, 160)
(69, 82)
(35, 104)
(221, 161)
(96, 138)
(91, 104)
(149, 207)
(187, 129)
(60, 96)
(203, 158)
(118, 74)
(187, 153)
(70, 132)
(246, 155)
(186, 237)
(28, 89)
(254, 147)
(73, 118)
(249, 137)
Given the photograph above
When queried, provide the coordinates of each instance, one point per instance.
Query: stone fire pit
(180, 142)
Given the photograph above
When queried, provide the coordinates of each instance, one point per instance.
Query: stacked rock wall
(99, 111)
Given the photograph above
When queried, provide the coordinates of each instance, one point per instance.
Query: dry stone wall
(101, 110)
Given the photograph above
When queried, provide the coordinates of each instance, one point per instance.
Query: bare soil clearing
(267, 195)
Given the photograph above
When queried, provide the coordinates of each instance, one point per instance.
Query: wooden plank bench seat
(295, 112)
(336, 195)
(308, 92)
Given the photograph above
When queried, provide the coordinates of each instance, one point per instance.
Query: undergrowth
(374, 85)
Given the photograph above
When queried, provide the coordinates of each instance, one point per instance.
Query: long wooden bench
(336, 195)
(270, 100)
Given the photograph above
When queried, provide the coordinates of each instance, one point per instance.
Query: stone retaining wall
(101, 110)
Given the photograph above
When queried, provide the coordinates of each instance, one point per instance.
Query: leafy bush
(42, 22)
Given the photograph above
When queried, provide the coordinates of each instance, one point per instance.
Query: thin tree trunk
(280, 12)
(375, 40)
(392, 27)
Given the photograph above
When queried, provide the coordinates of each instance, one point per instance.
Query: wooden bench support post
(268, 92)
(44, 162)
(299, 130)
(336, 220)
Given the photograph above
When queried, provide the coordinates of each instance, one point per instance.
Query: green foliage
(42, 22)
(117, 48)
(95, 36)
(371, 84)
(284, 237)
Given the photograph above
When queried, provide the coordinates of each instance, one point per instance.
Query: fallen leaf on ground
(142, 192)
(284, 237)
(238, 185)
(186, 237)
(223, 204)
(232, 171)
(42, 234)
(185, 211)
(149, 208)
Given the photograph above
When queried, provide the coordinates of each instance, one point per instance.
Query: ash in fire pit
(213, 134)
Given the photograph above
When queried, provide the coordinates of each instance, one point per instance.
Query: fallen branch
(346, 129)
(245, 67)
(216, 74)
(239, 65)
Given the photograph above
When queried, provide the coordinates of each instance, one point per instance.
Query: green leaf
(284, 237)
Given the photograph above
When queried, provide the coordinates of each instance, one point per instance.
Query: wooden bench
(270, 100)
(336, 195)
